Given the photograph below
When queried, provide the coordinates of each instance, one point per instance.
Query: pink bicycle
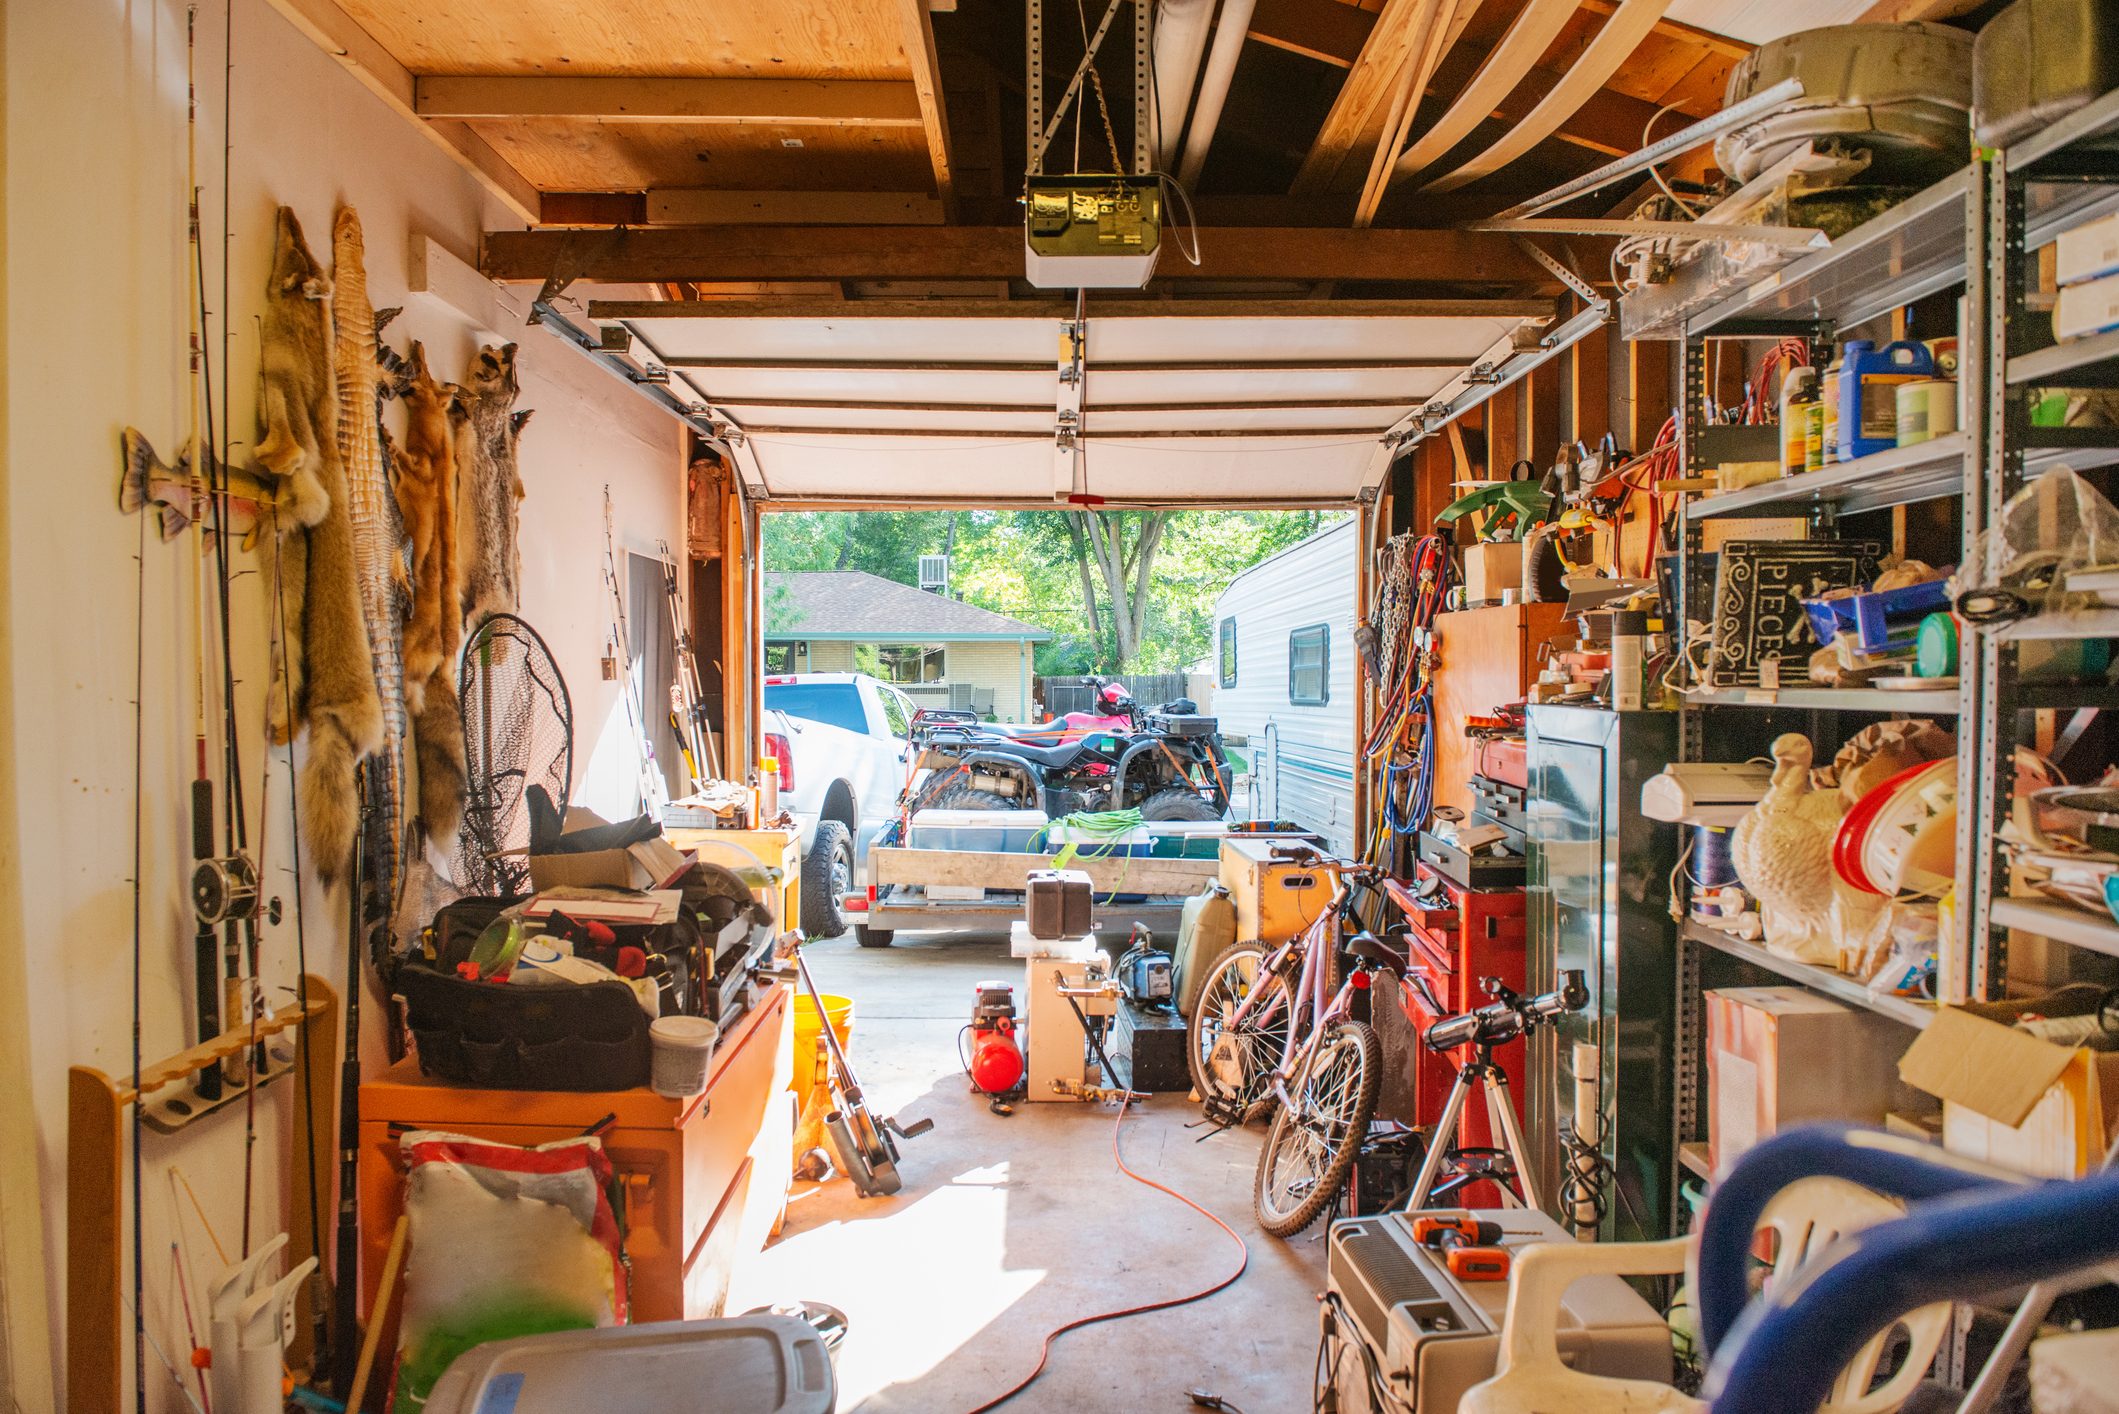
(1271, 1032)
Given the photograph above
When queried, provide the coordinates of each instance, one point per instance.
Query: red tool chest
(1478, 933)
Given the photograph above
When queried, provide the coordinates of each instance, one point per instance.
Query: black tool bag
(509, 1036)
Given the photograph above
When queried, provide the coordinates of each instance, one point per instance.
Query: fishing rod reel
(1509, 1015)
(225, 890)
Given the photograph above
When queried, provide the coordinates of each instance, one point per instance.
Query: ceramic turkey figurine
(1783, 854)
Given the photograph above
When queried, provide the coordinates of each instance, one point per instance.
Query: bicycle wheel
(1314, 1141)
(1229, 1064)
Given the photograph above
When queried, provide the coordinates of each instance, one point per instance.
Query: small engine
(994, 1058)
(1144, 971)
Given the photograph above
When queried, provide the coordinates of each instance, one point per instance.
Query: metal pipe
(1180, 45)
(1229, 33)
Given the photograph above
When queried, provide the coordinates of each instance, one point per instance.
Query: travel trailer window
(1228, 652)
(1310, 666)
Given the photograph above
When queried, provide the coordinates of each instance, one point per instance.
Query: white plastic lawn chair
(1807, 1217)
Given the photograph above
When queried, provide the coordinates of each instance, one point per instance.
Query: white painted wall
(93, 304)
(1302, 758)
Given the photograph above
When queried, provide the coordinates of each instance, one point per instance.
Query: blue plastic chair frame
(1970, 1234)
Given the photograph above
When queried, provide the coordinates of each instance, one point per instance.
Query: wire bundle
(1413, 583)
(1763, 395)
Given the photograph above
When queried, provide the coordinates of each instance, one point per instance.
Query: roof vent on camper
(934, 574)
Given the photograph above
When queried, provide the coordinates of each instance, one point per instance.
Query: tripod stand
(1495, 1024)
(1497, 1166)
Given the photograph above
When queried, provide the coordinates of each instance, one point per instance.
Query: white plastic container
(986, 831)
(683, 1046)
(758, 1364)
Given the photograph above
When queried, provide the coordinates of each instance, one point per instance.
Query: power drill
(1470, 1247)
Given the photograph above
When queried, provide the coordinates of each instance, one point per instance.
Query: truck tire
(963, 797)
(1176, 804)
(827, 875)
(869, 937)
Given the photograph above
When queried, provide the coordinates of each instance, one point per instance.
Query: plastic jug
(1868, 392)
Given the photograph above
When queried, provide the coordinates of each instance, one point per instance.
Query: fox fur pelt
(424, 478)
(324, 660)
(490, 488)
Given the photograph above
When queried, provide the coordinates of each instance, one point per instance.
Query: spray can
(1798, 391)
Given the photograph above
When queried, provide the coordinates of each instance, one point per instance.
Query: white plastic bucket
(683, 1045)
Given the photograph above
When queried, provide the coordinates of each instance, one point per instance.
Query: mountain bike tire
(1349, 1058)
(1219, 994)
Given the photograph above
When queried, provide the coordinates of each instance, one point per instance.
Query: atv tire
(1177, 804)
(964, 797)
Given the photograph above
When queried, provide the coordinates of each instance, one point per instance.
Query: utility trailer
(939, 889)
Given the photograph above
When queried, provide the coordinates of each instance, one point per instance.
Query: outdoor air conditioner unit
(934, 573)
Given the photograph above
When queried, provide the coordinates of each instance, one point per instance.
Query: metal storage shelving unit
(2058, 177)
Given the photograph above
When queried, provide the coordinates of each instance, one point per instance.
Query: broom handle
(374, 1337)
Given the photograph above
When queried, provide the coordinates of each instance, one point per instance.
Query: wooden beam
(992, 253)
(1360, 106)
(1012, 871)
(879, 103)
(927, 83)
(704, 206)
(1891, 12)
(337, 34)
(1328, 31)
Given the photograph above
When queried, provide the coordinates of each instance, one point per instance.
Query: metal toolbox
(1471, 871)
(2038, 61)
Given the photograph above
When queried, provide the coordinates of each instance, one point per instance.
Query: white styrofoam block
(1022, 944)
(2088, 252)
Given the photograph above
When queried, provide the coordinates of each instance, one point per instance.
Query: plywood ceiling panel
(560, 154)
(855, 39)
(1756, 21)
(1665, 70)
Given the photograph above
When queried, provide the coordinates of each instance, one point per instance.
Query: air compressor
(993, 1056)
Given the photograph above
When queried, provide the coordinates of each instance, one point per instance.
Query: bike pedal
(913, 1131)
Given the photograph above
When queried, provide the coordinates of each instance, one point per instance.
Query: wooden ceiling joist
(337, 34)
(991, 253)
(708, 206)
(838, 102)
(1615, 41)
(1358, 112)
(927, 85)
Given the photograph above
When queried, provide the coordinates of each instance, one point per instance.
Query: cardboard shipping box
(2012, 1099)
(1491, 567)
(1780, 1056)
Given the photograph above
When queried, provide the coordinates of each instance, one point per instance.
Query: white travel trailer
(1285, 677)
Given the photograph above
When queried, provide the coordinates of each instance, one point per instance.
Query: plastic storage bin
(1136, 842)
(1187, 839)
(758, 1364)
(989, 831)
(1880, 622)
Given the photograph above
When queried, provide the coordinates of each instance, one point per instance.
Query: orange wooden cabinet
(1487, 657)
(704, 1180)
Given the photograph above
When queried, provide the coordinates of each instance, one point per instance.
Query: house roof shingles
(855, 604)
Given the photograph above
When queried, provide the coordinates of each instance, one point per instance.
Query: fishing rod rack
(97, 1325)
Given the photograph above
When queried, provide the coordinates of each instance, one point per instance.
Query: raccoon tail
(438, 732)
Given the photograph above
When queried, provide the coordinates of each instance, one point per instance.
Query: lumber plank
(999, 870)
(837, 102)
(95, 1269)
(927, 83)
(707, 206)
(1362, 99)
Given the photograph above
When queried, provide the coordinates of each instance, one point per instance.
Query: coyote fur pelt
(424, 478)
(490, 488)
(327, 678)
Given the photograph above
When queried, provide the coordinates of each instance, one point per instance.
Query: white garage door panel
(1176, 407)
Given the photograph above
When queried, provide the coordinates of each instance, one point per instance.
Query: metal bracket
(571, 260)
(1560, 271)
(1068, 96)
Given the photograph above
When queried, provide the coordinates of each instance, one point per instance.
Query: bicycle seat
(1369, 948)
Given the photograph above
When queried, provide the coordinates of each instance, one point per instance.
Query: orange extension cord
(1242, 1265)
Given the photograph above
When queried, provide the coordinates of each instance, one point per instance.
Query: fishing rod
(685, 693)
(346, 1261)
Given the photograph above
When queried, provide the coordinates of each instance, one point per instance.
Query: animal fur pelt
(423, 476)
(490, 493)
(297, 404)
(438, 742)
(330, 805)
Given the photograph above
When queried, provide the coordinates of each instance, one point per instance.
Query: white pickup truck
(840, 739)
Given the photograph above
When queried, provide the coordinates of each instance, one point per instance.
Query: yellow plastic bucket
(812, 1060)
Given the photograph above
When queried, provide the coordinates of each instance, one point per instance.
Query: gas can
(1868, 392)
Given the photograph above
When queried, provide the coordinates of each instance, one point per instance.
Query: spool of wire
(1712, 867)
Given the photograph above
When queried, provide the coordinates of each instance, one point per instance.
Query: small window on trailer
(1228, 652)
(1310, 666)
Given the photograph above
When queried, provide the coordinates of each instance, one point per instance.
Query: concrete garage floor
(1008, 1226)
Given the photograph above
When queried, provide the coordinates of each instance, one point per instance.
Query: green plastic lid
(1936, 653)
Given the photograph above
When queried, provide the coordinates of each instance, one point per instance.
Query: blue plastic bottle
(1868, 392)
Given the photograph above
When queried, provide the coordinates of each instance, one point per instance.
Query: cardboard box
(1782, 1056)
(650, 864)
(1490, 568)
(2090, 251)
(2086, 309)
(2011, 1099)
